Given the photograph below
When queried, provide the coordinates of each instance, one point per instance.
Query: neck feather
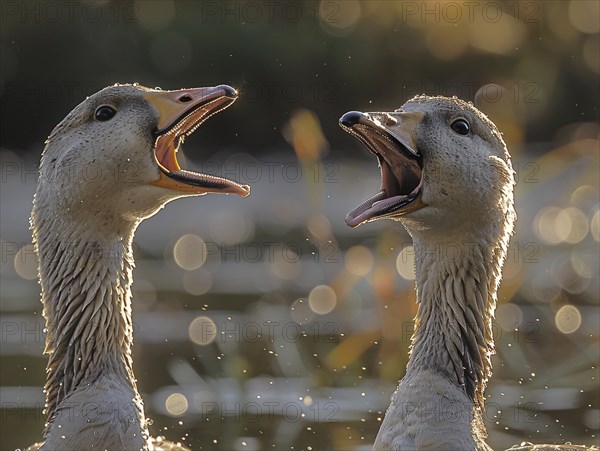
(85, 278)
(457, 281)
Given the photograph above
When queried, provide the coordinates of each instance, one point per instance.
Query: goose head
(444, 166)
(115, 154)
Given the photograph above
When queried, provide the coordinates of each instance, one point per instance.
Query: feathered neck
(85, 275)
(457, 280)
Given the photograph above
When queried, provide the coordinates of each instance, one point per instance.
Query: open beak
(391, 138)
(180, 114)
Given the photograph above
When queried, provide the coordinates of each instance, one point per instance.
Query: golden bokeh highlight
(176, 404)
(568, 319)
(585, 194)
(585, 16)
(501, 35)
(582, 264)
(197, 282)
(561, 28)
(562, 226)
(322, 299)
(202, 330)
(319, 226)
(543, 225)
(25, 262)
(555, 225)
(359, 260)
(405, 263)
(579, 225)
(189, 252)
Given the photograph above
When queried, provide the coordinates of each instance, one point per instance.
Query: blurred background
(266, 322)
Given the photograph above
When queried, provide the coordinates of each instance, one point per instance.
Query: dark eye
(460, 126)
(104, 113)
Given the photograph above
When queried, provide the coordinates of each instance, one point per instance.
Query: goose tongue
(391, 139)
(376, 206)
(364, 211)
(396, 178)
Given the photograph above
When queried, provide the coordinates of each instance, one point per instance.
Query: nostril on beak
(185, 98)
(351, 118)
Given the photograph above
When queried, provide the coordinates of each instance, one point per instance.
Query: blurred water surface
(267, 321)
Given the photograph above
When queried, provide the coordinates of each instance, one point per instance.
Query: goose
(107, 166)
(446, 175)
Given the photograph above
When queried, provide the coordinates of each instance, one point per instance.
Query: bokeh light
(563, 225)
(405, 263)
(555, 225)
(582, 262)
(585, 15)
(25, 262)
(585, 195)
(319, 226)
(359, 260)
(197, 282)
(190, 252)
(578, 224)
(202, 330)
(568, 319)
(502, 36)
(322, 299)
(176, 404)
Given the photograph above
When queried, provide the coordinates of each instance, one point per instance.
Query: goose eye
(104, 113)
(460, 126)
